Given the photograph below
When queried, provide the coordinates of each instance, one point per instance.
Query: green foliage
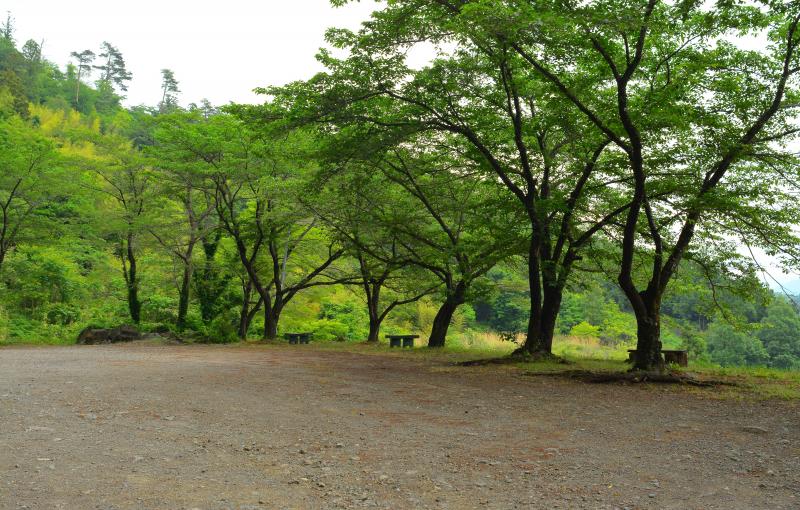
(349, 315)
(780, 335)
(411, 183)
(730, 347)
(160, 309)
(327, 330)
(222, 329)
(584, 329)
(618, 328)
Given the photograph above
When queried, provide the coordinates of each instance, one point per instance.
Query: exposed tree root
(518, 356)
(634, 377)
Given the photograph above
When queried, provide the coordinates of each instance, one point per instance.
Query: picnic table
(677, 356)
(401, 340)
(298, 338)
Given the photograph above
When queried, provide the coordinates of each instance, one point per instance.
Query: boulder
(93, 336)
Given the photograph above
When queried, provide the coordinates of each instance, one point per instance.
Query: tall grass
(482, 341)
(571, 347)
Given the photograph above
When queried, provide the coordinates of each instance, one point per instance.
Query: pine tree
(85, 59)
(113, 70)
(7, 28)
(169, 89)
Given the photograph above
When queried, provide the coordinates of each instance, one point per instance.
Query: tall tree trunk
(374, 330)
(441, 323)
(375, 318)
(541, 329)
(547, 290)
(77, 90)
(186, 287)
(207, 281)
(183, 299)
(132, 280)
(534, 343)
(247, 314)
(272, 315)
(550, 309)
(244, 314)
(648, 334)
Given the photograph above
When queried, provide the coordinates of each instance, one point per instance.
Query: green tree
(120, 173)
(780, 334)
(518, 133)
(7, 28)
(113, 70)
(28, 174)
(731, 347)
(440, 217)
(12, 85)
(255, 176)
(83, 67)
(659, 80)
(183, 219)
(169, 91)
(386, 275)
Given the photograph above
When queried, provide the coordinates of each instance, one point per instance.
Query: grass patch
(759, 382)
(28, 333)
(581, 354)
(588, 355)
(454, 352)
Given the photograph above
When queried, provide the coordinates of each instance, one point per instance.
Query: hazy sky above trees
(218, 50)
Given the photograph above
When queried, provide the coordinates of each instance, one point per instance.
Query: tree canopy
(605, 170)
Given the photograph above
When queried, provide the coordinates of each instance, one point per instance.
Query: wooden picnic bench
(678, 357)
(401, 340)
(298, 338)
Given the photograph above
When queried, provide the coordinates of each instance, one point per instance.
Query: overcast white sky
(218, 50)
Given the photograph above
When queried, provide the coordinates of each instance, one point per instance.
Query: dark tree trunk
(186, 285)
(534, 343)
(252, 315)
(547, 326)
(441, 323)
(244, 314)
(208, 286)
(134, 305)
(541, 329)
(271, 317)
(648, 336)
(374, 330)
(271, 310)
(375, 318)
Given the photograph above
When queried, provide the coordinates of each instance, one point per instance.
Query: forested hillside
(378, 198)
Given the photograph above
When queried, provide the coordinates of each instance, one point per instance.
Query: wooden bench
(401, 340)
(298, 338)
(678, 357)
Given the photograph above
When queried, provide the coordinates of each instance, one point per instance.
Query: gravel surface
(254, 427)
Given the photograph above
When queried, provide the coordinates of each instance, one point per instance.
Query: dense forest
(533, 183)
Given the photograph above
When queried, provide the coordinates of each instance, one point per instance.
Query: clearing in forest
(218, 427)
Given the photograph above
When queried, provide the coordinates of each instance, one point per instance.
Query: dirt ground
(252, 427)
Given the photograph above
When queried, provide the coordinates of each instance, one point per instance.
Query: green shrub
(584, 329)
(327, 330)
(62, 315)
(4, 325)
(618, 328)
(160, 309)
(222, 330)
(730, 347)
